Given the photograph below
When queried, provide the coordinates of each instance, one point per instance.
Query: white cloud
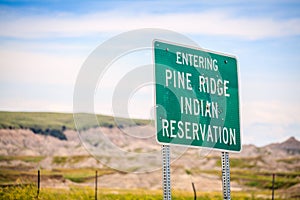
(284, 113)
(265, 122)
(210, 23)
(35, 67)
(31, 105)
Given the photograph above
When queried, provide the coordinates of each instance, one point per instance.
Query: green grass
(251, 178)
(294, 160)
(42, 120)
(82, 175)
(263, 180)
(54, 124)
(12, 176)
(57, 121)
(261, 183)
(25, 192)
(29, 159)
(242, 162)
(260, 180)
(87, 193)
(60, 160)
(188, 172)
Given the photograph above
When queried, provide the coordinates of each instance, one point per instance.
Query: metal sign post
(226, 175)
(166, 172)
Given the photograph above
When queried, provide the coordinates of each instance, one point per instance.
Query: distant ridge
(54, 124)
(54, 120)
(291, 146)
(291, 143)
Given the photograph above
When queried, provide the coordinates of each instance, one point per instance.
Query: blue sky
(44, 43)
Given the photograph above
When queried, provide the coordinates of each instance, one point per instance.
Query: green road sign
(197, 97)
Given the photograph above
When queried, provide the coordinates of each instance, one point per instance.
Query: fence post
(273, 183)
(96, 185)
(194, 189)
(38, 183)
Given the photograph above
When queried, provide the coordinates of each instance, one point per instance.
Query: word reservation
(200, 108)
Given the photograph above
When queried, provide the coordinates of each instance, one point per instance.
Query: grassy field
(25, 192)
(249, 177)
(255, 179)
(11, 176)
(44, 120)
(21, 184)
(54, 124)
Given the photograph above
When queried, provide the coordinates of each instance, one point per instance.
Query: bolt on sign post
(197, 98)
